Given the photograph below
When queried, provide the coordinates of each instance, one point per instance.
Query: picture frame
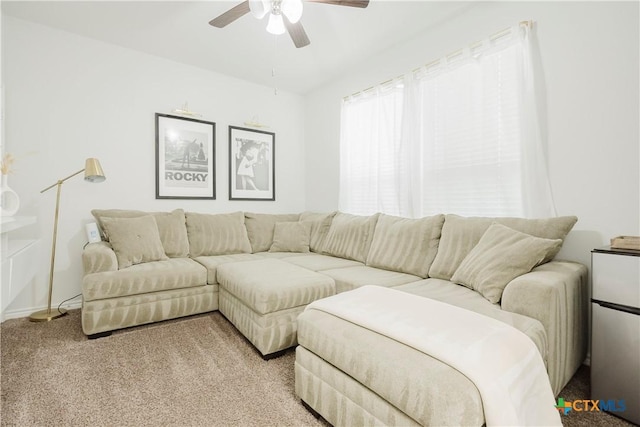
(251, 164)
(185, 158)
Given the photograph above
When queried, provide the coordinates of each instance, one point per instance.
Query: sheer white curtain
(460, 136)
(536, 189)
(370, 143)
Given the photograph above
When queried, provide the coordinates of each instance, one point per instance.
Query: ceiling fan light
(292, 9)
(275, 25)
(259, 8)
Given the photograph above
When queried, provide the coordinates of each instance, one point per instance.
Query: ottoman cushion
(212, 262)
(271, 285)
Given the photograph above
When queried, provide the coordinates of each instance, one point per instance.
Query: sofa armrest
(555, 294)
(99, 257)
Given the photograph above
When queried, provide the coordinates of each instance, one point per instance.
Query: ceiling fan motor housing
(292, 9)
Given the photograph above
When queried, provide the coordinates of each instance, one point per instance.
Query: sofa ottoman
(363, 364)
(263, 299)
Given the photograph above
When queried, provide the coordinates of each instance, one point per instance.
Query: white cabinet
(18, 258)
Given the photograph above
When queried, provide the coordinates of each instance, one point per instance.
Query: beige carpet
(197, 371)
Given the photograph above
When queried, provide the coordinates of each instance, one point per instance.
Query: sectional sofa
(263, 270)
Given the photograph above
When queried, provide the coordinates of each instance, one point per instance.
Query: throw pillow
(501, 255)
(291, 237)
(217, 234)
(171, 226)
(173, 233)
(405, 245)
(461, 234)
(134, 240)
(320, 224)
(350, 236)
(260, 228)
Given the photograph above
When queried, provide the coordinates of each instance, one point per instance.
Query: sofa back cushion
(134, 240)
(350, 236)
(217, 234)
(405, 245)
(461, 234)
(260, 228)
(320, 224)
(171, 227)
(501, 255)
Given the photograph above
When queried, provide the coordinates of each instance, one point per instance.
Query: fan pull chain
(273, 66)
(273, 75)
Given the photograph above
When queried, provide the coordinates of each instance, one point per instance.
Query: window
(455, 137)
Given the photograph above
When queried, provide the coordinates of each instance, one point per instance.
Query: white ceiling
(179, 30)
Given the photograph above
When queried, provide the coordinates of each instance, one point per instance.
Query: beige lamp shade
(93, 171)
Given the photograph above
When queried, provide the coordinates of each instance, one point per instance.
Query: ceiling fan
(283, 14)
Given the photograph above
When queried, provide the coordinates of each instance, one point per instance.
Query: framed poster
(185, 158)
(251, 164)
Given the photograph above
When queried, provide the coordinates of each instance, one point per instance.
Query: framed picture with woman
(251, 164)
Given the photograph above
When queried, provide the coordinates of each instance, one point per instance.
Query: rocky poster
(185, 158)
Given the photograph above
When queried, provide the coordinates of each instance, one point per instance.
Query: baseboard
(26, 312)
(587, 361)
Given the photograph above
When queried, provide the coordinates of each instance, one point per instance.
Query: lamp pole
(47, 314)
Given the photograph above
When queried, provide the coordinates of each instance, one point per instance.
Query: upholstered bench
(263, 299)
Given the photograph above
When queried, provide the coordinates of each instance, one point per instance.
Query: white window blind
(470, 137)
(456, 137)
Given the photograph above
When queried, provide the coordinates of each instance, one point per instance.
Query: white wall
(68, 98)
(589, 53)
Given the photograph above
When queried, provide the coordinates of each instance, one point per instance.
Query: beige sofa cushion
(171, 226)
(501, 255)
(260, 228)
(318, 262)
(405, 245)
(349, 278)
(144, 279)
(463, 297)
(217, 234)
(291, 237)
(320, 224)
(350, 236)
(134, 240)
(460, 235)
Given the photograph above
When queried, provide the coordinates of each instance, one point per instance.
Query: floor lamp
(92, 173)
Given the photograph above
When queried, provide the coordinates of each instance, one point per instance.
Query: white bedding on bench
(503, 363)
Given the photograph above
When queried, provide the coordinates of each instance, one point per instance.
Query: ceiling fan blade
(351, 3)
(231, 15)
(297, 33)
